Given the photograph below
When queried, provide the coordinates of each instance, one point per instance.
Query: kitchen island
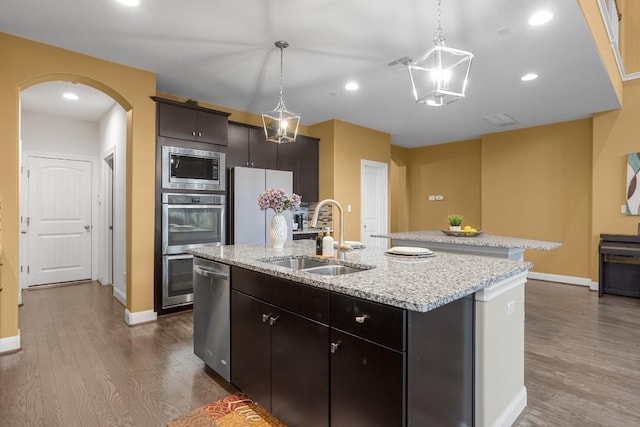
(485, 245)
(395, 343)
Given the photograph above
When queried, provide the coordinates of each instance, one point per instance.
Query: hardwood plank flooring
(82, 365)
(582, 357)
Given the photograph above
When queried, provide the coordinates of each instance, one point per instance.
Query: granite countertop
(418, 284)
(436, 236)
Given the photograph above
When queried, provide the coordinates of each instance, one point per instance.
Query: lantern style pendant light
(281, 125)
(439, 77)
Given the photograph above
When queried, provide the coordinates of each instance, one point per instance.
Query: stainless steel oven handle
(205, 272)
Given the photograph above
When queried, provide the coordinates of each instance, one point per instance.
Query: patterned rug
(235, 410)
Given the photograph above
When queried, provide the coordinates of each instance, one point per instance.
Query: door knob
(334, 346)
(265, 317)
(273, 320)
(87, 227)
(23, 232)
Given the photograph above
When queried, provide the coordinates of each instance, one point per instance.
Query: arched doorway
(72, 187)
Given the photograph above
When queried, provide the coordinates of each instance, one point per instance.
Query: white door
(60, 220)
(374, 190)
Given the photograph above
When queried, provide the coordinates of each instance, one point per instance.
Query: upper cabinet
(191, 122)
(248, 147)
(302, 158)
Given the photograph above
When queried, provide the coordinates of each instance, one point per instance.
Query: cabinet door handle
(199, 133)
(273, 319)
(193, 133)
(252, 164)
(265, 317)
(361, 319)
(334, 346)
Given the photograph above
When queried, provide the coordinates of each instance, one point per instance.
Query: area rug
(234, 410)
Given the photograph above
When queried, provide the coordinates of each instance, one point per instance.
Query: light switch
(432, 198)
(439, 197)
(623, 209)
(348, 208)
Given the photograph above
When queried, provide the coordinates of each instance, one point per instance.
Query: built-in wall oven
(188, 221)
(186, 168)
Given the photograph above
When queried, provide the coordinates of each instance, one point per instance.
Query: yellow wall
(25, 63)
(398, 187)
(342, 146)
(451, 170)
(615, 134)
(593, 17)
(536, 183)
(629, 30)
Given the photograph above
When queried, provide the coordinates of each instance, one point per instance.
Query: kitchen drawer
(296, 297)
(376, 322)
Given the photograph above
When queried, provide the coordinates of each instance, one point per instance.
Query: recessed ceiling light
(70, 96)
(351, 86)
(529, 77)
(541, 17)
(130, 2)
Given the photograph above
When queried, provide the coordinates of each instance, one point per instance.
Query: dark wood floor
(82, 366)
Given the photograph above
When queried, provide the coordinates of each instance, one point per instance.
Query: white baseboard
(513, 409)
(10, 343)
(120, 296)
(571, 280)
(139, 317)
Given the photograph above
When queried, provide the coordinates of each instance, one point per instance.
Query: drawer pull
(335, 345)
(265, 317)
(273, 320)
(361, 319)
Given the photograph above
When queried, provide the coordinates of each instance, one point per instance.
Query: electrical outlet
(432, 198)
(511, 308)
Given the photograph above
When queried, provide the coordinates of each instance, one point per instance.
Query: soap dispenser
(327, 244)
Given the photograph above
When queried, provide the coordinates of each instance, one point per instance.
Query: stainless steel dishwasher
(211, 315)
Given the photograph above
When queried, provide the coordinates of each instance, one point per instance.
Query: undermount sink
(297, 263)
(314, 266)
(333, 270)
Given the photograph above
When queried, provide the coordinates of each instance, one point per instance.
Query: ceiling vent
(501, 120)
(400, 64)
(504, 31)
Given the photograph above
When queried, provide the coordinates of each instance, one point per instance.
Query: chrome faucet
(342, 246)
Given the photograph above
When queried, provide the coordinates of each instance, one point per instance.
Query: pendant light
(280, 124)
(439, 77)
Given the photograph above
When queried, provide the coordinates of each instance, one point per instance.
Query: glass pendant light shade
(440, 76)
(280, 125)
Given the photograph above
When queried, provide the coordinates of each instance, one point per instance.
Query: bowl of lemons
(466, 231)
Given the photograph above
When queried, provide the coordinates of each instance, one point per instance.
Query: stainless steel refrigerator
(248, 224)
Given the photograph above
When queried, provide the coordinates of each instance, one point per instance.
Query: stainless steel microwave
(185, 168)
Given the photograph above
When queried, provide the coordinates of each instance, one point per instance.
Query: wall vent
(400, 64)
(501, 120)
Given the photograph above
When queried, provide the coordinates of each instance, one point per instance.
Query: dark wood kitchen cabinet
(274, 348)
(189, 122)
(248, 147)
(302, 158)
(367, 353)
(320, 358)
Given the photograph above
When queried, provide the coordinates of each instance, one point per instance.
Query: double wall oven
(188, 220)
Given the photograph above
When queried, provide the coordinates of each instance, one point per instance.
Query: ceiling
(222, 52)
